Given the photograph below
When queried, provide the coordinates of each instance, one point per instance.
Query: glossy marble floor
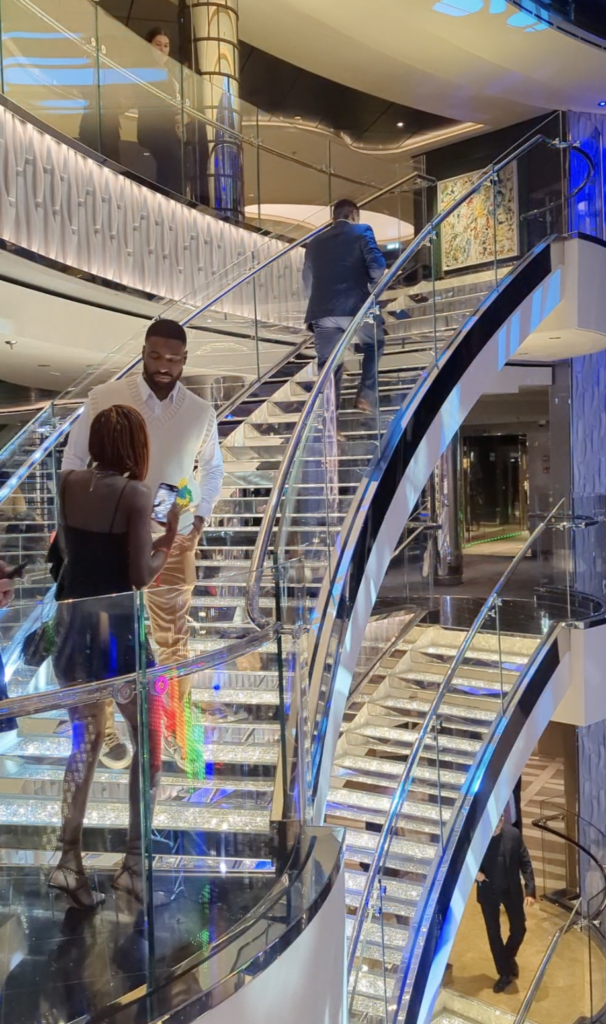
(62, 965)
(564, 995)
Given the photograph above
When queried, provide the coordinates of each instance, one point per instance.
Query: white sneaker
(114, 752)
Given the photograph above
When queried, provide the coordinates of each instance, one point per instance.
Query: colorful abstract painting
(468, 235)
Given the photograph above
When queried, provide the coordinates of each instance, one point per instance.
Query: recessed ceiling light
(297, 117)
(400, 124)
(602, 103)
(55, 373)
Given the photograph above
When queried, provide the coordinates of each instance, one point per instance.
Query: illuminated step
(380, 941)
(113, 814)
(406, 738)
(398, 897)
(59, 747)
(370, 767)
(346, 800)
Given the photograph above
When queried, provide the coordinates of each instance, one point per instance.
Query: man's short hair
(343, 209)
(166, 329)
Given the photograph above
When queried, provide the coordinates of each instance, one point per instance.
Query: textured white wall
(66, 206)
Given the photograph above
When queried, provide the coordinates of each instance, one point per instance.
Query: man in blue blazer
(342, 265)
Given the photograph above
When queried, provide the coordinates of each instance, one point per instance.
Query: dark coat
(340, 264)
(518, 866)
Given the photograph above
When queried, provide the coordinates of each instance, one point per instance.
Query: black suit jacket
(517, 863)
(340, 264)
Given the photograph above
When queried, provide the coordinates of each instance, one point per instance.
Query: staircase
(233, 789)
(379, 730)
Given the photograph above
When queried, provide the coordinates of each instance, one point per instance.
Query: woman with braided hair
(105, 534)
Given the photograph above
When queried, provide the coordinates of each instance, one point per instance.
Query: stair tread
(114, 814)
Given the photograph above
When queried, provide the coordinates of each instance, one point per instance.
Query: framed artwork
(468, 235)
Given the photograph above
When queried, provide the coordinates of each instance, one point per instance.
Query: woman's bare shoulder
(138, 494)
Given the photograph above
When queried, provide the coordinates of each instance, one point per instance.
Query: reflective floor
(62, 965)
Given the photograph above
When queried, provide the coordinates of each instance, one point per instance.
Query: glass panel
(466, 674)
(201, 838)
(141, 103)
(49, 64)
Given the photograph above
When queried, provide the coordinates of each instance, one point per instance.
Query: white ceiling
(474, 60)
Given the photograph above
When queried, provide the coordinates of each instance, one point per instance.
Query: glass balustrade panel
(49, 64)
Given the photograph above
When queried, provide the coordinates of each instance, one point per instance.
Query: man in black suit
(342, 265)
(499, 884)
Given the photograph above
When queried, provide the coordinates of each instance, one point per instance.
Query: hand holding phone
(16, 572)
(163, 502)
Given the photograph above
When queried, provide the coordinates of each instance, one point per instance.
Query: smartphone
(163, 502)
(17, 571)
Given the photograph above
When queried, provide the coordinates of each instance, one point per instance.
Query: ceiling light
(297, 117)
(400, 124)
(602, 103)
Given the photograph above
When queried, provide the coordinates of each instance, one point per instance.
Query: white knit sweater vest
(175, 437)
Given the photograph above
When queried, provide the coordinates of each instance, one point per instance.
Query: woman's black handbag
(41, 643)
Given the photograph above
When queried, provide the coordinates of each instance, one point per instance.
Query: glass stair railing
(250, 355)
(417, 735)
(558, 988)
(329, 454)
(84, 73)
(292, 474)
(212, 856)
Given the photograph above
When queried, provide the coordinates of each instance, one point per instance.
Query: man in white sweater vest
(184, 451)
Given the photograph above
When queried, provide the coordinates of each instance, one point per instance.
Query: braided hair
(118, 440)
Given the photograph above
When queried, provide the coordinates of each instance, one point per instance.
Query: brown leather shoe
(364, 406)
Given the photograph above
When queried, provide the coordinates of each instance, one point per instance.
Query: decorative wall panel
(58, 202)
(468, 236)
(588, 450)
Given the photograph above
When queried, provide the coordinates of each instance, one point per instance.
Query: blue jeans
(371, 337)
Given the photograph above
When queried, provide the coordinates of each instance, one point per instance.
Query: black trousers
(503, 952)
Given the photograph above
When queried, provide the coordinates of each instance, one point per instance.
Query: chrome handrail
(64, 428)
(542, 823)
(414, 620)
(530, 996)
(415, 754)
(178, 103)
(304, 422)
(89, 693)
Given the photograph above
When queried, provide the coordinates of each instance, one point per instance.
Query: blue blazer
(340, 264)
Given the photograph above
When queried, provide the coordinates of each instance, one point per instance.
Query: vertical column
(588, 470)
(447, 496)
(215, 47)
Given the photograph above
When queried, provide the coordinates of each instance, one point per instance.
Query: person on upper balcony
(159, 123)
(342, 266)
(184, 453)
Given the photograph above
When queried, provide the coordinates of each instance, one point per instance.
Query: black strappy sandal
(75, 892)
(134, 887)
